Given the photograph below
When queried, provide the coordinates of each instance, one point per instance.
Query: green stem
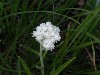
(41, 60)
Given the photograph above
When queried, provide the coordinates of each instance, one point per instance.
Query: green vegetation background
(76, 54)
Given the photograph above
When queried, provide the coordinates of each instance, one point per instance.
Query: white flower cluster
(47, 35)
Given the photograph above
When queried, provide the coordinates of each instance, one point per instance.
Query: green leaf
(92, 3)
(95, 38)
(18, 67)
(57, 71)
(25, 67)
(90, 73)
(1, 5)
(14, 5)
(82, 45)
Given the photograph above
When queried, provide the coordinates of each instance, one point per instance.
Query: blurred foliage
(80, 31)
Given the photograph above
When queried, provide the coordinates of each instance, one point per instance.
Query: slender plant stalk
(41, 60)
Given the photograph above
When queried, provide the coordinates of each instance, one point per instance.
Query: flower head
(47, 35)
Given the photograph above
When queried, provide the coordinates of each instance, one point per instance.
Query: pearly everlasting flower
(47, 35)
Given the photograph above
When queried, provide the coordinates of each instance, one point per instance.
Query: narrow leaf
(57, 71)
(25, 67)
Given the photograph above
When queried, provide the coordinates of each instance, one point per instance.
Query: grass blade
(25, 67)
(57, 71)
